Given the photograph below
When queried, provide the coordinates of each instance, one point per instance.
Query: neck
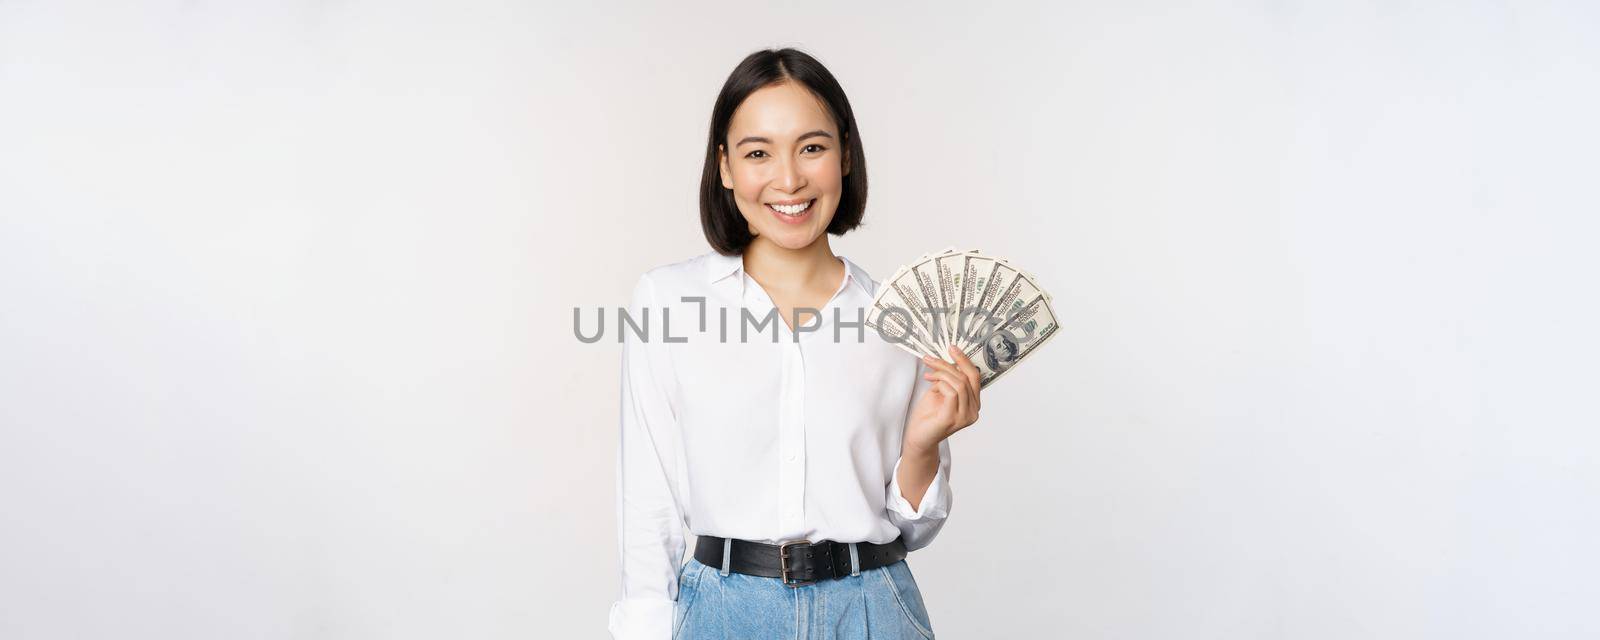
(780, 267)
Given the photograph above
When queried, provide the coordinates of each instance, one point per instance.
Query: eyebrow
(803, 136)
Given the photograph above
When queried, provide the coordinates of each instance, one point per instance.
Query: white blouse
(771, 438)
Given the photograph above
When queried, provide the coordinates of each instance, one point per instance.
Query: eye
(818, 147)
(752, 154)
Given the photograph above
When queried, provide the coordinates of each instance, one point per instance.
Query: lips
(793, 210)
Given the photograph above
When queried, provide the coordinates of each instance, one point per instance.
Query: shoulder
(684, 275)
(860, 275)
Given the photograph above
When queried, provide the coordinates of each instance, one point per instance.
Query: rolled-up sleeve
(920, 524)
(649, 518)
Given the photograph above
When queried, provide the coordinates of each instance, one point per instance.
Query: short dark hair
(725, 228)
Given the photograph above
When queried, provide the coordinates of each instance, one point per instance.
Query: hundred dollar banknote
(987, 307)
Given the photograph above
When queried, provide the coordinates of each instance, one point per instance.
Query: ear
(722, 164)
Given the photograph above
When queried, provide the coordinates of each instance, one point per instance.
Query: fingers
(953, 383)
(940, 366)
(956, 381)
(962, 400)
(970, 371)
(953, 393)
(964, 376)
(963, 367)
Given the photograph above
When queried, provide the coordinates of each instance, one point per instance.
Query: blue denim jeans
(880, 604)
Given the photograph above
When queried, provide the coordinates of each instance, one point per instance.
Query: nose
(789, 179)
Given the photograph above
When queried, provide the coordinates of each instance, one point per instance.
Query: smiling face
(783, 159)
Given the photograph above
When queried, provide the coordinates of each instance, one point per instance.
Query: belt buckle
(783, 564)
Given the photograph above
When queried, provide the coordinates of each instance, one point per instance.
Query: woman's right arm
(649, 520)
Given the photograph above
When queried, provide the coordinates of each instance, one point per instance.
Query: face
(784, 161)
(1001, 347)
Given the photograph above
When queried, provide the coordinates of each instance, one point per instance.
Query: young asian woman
(810, 460)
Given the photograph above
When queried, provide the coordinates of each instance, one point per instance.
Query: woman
(794, 456)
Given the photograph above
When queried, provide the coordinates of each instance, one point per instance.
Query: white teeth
(791, 209)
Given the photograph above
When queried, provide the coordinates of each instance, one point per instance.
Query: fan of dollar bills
(990, 309)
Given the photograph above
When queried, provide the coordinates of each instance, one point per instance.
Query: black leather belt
(798, 562)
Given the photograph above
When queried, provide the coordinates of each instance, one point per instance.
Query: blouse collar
(719, 267)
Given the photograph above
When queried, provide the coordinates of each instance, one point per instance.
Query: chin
(792, 240)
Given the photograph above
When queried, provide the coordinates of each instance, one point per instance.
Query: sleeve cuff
(640, 619)
(932, 501)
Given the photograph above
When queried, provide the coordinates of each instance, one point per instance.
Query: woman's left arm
(919, 525)
(946, 400)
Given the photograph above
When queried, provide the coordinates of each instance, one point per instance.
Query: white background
(286, 296)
